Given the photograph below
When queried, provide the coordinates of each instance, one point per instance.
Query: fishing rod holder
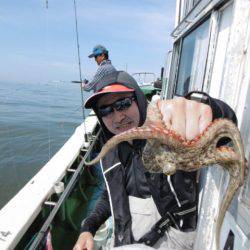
(50, 203)
(71, 170)
(59, 187)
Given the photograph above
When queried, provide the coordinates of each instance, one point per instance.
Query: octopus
(166, 152)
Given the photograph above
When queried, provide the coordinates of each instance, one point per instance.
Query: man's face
(99, 58)
(119, 121)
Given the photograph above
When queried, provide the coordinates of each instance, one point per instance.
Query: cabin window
(182, 9)
(193, 60)
(196, 1)
(186, 6)
(173, 72)
(166, 75)
(224, 26)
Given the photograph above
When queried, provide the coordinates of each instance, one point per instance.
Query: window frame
(177, 68)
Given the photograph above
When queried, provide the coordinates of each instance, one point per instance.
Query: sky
(38, 44)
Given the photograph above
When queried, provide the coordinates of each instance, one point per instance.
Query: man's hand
(186, 117)
(84, 242)
(85, 81)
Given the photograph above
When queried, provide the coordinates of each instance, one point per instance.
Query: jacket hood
(123, 78)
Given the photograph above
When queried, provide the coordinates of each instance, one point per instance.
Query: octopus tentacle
(144, 132)
(234, 162)
(166, 152)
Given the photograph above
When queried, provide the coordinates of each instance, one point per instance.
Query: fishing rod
(80, 71)
(80, 82)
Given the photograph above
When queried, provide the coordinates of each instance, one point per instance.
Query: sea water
(36, 119)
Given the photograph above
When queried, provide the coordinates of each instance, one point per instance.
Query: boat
(211, 43)
(211, 54)
(56, 200)
(148, 82)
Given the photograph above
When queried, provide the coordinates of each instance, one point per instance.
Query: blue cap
(98, 50)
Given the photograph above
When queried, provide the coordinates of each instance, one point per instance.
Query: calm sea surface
(35, 121)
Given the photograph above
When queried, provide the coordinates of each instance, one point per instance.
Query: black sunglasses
(119, 105)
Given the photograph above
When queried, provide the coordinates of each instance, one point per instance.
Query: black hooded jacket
(125, 176)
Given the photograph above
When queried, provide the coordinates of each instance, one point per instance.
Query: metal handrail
(64, 195)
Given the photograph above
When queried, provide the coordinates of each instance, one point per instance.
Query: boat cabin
(211, 54)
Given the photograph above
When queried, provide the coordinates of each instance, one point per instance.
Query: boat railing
(144, 78)
(42, 233)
